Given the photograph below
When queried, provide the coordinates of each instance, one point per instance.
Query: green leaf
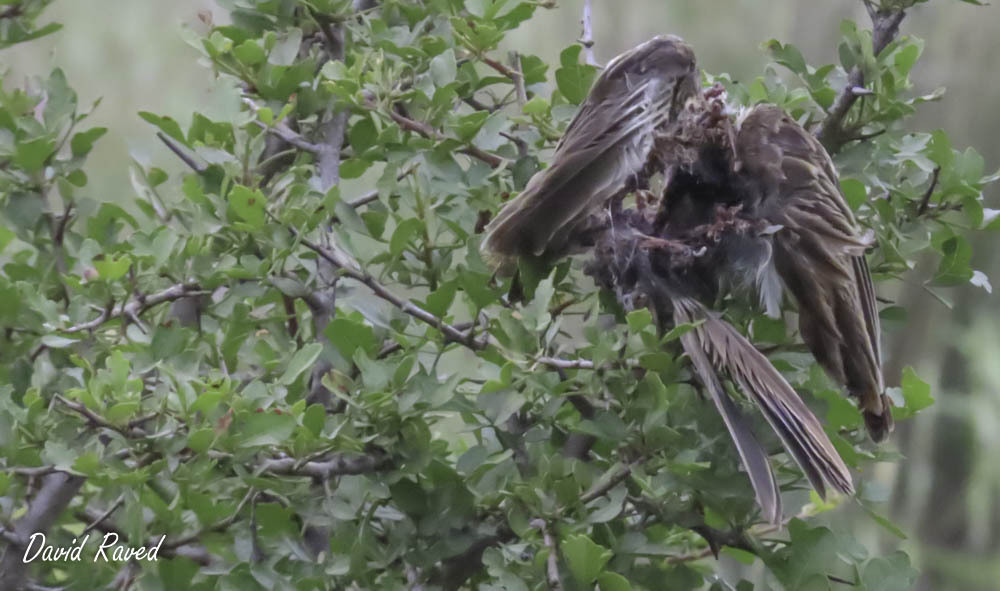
(349, 335)
(787, 55)
(402, 235)
(444, 68)
(300, 362)
(916, 392)
(954, 266)
(639, 319)
(536, 106)
(121, 411)
(890, 573)
(32, 154)
(83, 141)
(267, 428)
(201, 440)
(468, 126)
(575, 81)
(250, 53)
(363, 135)
(114, 268)
(248, 205)
(854, 192)
(585, 558)
(166, 125)
(885, 522)
(314, 418)
(438, 302)
(610, 581)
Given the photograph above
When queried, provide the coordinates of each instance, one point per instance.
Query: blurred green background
(946, 492)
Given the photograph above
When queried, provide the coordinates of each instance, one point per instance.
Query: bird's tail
(879, 423)
(714, 343)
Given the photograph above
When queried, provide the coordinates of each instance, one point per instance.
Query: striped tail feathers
(752, 454)
(716, 343)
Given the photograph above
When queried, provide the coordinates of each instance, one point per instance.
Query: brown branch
(48, 504)
(513, 75)
(96, 522)
(424, 130)
(885, 28)
(609, 482)
(285, 133)
(180, 153)
(336, 465)
(406, 306)
(138, 306)
(925, 201)
(96, 419)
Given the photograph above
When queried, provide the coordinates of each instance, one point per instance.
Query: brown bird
(819, 253)
(604, 149)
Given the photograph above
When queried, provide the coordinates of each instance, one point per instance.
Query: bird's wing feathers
(819, 253)
(576, 182)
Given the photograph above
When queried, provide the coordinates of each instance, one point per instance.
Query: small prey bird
(646, 114)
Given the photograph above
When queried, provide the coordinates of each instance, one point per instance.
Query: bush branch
(587, 38)
(138, 306)
(336, 465)
(55, 494)
(885, 28)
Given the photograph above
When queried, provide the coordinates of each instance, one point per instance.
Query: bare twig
(96, 419)
(100, 518)
(138, 306)
(429, 132)
(220, 525)
(557, 363)
(587, 38)
(925, 201)
(885, 28)
(552, 577)
(522, 94)
(180, 153)
(501, 68)
(608, 482)
(406, 306)
(335, 465)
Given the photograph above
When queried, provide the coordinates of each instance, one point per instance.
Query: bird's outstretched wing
(715, 345)
(605, 145)
(819, 254)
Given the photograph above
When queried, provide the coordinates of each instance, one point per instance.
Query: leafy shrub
(304, 384)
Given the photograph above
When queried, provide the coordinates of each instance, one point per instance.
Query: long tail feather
(799, 430)
(754, 457)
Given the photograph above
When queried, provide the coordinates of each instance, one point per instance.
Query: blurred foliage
(306, 389)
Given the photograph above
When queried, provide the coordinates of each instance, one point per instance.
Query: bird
(645, 115)
(818, 253)
(601, 154)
